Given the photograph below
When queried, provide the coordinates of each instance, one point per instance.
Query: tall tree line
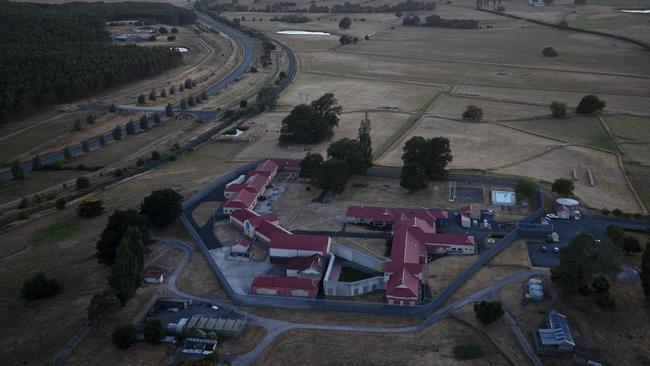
(52, 54)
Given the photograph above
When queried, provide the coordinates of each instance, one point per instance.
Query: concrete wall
(357, 257)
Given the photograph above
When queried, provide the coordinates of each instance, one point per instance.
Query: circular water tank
(569, 202)
(535, 287)
(535, 281)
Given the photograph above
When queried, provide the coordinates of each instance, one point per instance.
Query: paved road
(276, 327)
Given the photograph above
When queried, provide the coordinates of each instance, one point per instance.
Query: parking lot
(566, 229)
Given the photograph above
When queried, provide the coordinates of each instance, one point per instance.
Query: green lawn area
(607, 23)
(630, 127)
(351, 275)
(575, 129)
(639, 177)
(59, 231)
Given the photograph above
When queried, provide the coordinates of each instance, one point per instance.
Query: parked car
(556, 250)
(544, 249)
(552, 216)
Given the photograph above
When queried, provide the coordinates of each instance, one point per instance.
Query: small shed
(242, 246)
(563, 212)
(154, 277)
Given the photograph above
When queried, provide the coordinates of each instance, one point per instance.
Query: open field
(474, 145)
(621, 333)
(453, 107)
(498, 332)
(633, 135)
(639, 177)
(356, 94)
(610, 188)
(433, 346)
(265, 130)
(585, 130)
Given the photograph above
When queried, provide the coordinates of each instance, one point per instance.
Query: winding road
(243, 66)
(276, 327)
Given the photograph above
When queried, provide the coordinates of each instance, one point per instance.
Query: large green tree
(413, 176)
(364, 138)
(154, 329)
(115, 229)
(525, 189)
(350, 151)
(434, 154)
(333, 175)
(102, 306)
(563, 186)
(122, 277)
(310, 124)
(267, 98)
(162, 207)
(310, 164)
(583, 258)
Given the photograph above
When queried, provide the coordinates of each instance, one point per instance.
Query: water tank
(535, 295)
(536, 281)
(535, 287)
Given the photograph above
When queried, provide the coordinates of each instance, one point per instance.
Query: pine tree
(152, 94)
(181, 87)
(117, 133)
(144, 122)
(204, 95)
(364, 138)
(17, 171)
(123, 273)
(77, 125)
(183, 104)
(163, 93)
(141, 99)
(130, 128)
(645, 270)
(133, 238)
(172, 90)
(85, 146)
(169, 110)
(37, 164)
(67, 155)
(190, 101)
(156, 117)
(102, 140)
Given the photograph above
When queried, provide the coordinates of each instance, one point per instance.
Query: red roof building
(386, 216)
(240, 200)
(289, 164)
(403, 288)
(267, 168)
(284, 286)
(287, 245)
(413, 239)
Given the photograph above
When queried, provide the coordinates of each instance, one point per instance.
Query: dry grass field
(433, 346)
(453, 107)
(610, 188)
(474, 145)
(265, 130)
(621, 334)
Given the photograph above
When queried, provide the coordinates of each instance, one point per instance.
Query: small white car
(552, 216)
(215, 307)
(556, 250)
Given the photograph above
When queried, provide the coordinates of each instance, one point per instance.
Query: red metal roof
(244, 214)
(392, 214)
(256, 182)
(241, 199)
(302, 263)
(453, 239)
(267, 167)
(268, 228)
(243, 242)
(403, 285)
(284, 282)
(317, 243)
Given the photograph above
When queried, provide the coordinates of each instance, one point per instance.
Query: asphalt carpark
(566, 229)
